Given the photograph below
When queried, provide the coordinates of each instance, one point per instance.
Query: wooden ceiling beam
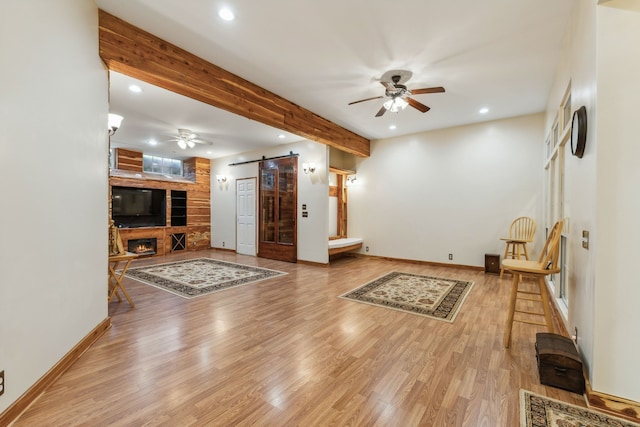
(130, 50)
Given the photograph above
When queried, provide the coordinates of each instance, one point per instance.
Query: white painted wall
(313, 190)
(424, 196)
(578, 69)
(53, 117)
(616, 354)
(601, 192)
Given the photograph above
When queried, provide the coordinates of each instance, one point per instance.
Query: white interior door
(246, 209)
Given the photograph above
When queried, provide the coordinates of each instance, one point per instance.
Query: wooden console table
(115, 279)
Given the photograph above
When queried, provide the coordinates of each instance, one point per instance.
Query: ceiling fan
(187, 138)
(399, 96)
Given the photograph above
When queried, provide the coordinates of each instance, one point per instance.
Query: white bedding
(346, 241)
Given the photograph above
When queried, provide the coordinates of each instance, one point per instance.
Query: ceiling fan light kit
(187, 138)
(400, 96)
(396, 104)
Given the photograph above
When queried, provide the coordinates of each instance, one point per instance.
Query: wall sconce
(114, 123)
(351, 179)
(308, 167)
(221, 178)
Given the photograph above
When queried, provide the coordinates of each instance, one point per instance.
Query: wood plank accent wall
(197, 184)
(128, 160)
(134, 52)
(198, 203)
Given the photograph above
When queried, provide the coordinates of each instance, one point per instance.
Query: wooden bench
(345, 244)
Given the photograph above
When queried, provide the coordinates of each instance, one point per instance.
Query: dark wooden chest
(559, 363)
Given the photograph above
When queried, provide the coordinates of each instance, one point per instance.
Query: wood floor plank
(288, 351)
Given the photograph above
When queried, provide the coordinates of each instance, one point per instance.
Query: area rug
(412, 293)
(200, 276)
(540, 411)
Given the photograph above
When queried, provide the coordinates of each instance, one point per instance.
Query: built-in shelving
(178, 208)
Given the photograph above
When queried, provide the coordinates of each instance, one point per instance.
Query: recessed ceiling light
(153, 142)
(135, 88)
(226, 14)
(483, 110)
(209, 152)
(392, 127)
(281, 135)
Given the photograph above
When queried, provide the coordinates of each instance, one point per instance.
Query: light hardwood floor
(287, 351)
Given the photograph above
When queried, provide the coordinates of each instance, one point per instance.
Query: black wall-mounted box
(492, 263)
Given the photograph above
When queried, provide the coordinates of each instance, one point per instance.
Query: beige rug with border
(541, 411)
(435, 297)
(201, 276)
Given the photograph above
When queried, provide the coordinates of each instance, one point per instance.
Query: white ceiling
(323, 54)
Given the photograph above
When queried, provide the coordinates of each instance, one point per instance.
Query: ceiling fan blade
(368, 99)
(203, 142)
(417, 105)
(381, 111)
(388, 85)
(437, 89)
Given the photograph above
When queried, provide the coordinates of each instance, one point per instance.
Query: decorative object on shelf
(579, 132)
(115, 241)
(115, 121)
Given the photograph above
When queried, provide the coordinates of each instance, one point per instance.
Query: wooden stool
(521, 232)
(115, 279)
(547, 264)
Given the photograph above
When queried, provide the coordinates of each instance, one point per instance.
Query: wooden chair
(521, 232)
(546, 264)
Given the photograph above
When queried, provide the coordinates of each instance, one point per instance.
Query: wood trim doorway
(278, 201)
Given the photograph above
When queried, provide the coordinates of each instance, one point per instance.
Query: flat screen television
(138, 207)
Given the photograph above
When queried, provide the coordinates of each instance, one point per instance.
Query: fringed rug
(424, 295)
(540, 411)
(200, 276)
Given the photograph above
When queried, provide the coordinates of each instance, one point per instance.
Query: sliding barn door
(278, 209)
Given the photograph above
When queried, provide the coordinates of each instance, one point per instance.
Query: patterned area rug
(540, 411)
(200, 276)
(428, 296)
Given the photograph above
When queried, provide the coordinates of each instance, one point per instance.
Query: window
(161, 165)
(554, 188)
(562, 289)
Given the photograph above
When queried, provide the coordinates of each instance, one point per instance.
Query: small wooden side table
(115, 279)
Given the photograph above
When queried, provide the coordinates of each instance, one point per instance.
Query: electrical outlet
(223, 244)
(1, 382)
(366, 249)
(575, 334)
(450, 257)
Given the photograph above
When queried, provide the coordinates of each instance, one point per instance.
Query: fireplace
(142, 246)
